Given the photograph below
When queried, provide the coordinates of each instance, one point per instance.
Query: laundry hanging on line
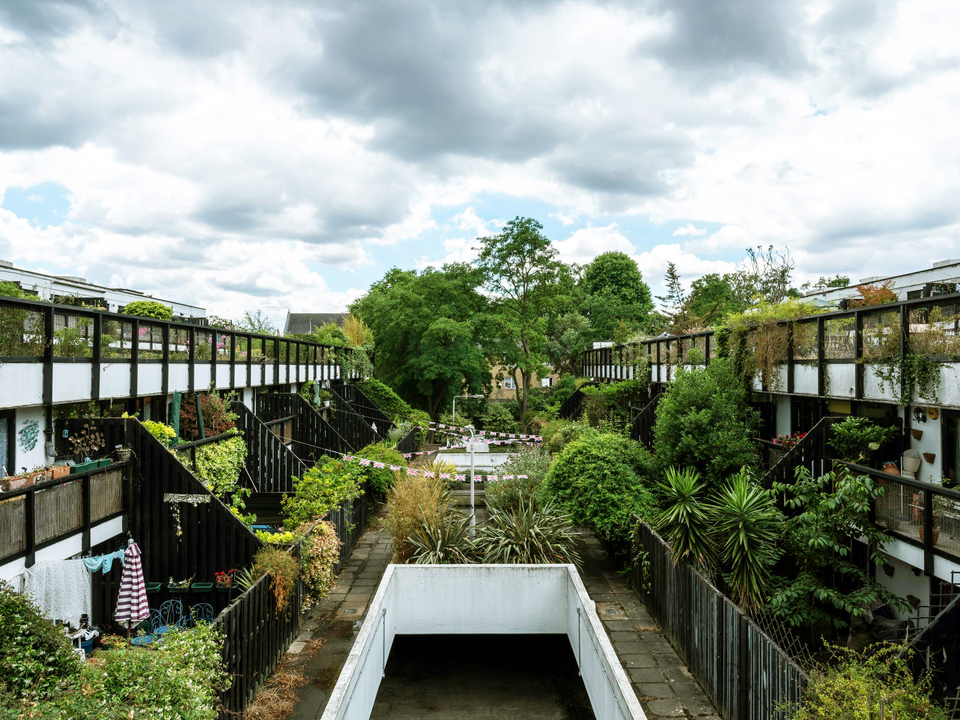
(104, 562)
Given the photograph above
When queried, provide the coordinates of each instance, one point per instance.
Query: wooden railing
(743, 671)
(642, 424)
(312, 436)
(353, 426)
(34, 331)
(810, 452)
(255, 635)
(408, 443)
(270, 465)
(857, 337)
(365, 407)
(572, 407)
(36, 517)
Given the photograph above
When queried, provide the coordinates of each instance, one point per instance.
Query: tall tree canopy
(617, 300)
(530, 287)
(429, 331)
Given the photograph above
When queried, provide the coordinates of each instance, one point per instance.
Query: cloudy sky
(285, 154)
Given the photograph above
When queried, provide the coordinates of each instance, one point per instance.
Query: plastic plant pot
(153, 587)
(202, 586)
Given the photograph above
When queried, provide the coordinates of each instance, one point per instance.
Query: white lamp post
(473, 513)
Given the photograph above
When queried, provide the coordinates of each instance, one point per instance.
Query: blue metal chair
(149, 626)
(171, 616)
(201, 612)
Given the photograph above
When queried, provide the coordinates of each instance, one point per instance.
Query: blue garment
(104, 562)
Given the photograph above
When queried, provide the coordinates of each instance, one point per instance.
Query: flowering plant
(787, 440)
(225, 579)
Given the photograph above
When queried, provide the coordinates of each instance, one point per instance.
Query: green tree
(711, 299)
(837, 281)
(704, 421)
(674, 303)
(430, 330)
(830, 514)
(568, 336)
(615, 295)
(530, 286)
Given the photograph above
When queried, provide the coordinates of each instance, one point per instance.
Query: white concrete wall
(482, 599)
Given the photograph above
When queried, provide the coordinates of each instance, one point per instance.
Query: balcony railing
(36, 517)
(834, 354)
(918, 513)
(130, 356)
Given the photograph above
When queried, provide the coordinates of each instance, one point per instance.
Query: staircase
(810, 452)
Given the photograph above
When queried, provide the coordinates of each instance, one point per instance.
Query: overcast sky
(243, 155)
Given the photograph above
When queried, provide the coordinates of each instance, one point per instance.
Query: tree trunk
(523, 402)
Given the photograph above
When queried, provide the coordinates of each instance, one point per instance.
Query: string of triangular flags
(366, 462)
(483, 433)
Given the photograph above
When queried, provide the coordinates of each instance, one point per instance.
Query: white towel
(60, 589)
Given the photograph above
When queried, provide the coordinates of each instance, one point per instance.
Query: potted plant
(225, 580)
(59, 471)
(181, 586)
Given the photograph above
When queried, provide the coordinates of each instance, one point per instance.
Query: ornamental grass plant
(412, 502)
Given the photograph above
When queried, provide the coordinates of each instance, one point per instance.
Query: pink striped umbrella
(132, 606)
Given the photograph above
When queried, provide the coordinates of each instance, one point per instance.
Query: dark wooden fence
(312, 436)
(256, 635)
(810, 452)
(270, 465)
(409, 442)
(746, 675)
(937, 650)
(572, 407)
(364, 407)
(641, 426)
(355, 428)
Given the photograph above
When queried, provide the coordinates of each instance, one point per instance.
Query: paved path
(662, 683)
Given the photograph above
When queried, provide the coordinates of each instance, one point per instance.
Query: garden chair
(149, 626)
(201, 612)
(171, 616)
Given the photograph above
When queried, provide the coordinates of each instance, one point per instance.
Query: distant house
(307, 322)
(505, 387)
(941, 278)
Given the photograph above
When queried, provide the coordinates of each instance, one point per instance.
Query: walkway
(662, 683)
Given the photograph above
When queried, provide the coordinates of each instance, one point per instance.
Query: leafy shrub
(321, 489)
(558, 433)
(595, 480)
(331, 334)
(498, 418)
(412, 502)
(530, 534)
(163, 433)
(609, 401)
(319, 555)
(704, 422)
(314, 394)
(149, 309)
(217, 416)
(11, 289)
(178, 679)
(381, 479)
(443, 539)
(284, 537)
(855, 438)
(564, 388)
(505, 495)
(856, 685)
(283, 570)
(36, 659)
(219, 466)
(383, 396)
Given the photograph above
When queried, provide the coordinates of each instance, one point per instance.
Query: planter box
(153, 587)
(103, 463)
(178, 589)
(60, 471)
(83, 467)
(225, 588)
(202, 586)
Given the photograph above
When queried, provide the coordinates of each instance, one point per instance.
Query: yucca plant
(748, 524)
(443, 540)
(528, 535)
(684, 522)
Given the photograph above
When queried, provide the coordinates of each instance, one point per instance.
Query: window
(509, 384)
(546, 382)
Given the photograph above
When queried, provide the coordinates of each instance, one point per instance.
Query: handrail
(180, 447)
(910, 482)
(40, 305)
(799, 451)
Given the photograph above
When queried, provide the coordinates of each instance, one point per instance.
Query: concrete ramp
(476, 600)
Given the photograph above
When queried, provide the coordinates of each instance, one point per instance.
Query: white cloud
(585, 244)
(689, 230)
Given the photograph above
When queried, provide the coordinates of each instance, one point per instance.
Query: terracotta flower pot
(917, 434)
(936, 534)
(930, 457)
(60, 471)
